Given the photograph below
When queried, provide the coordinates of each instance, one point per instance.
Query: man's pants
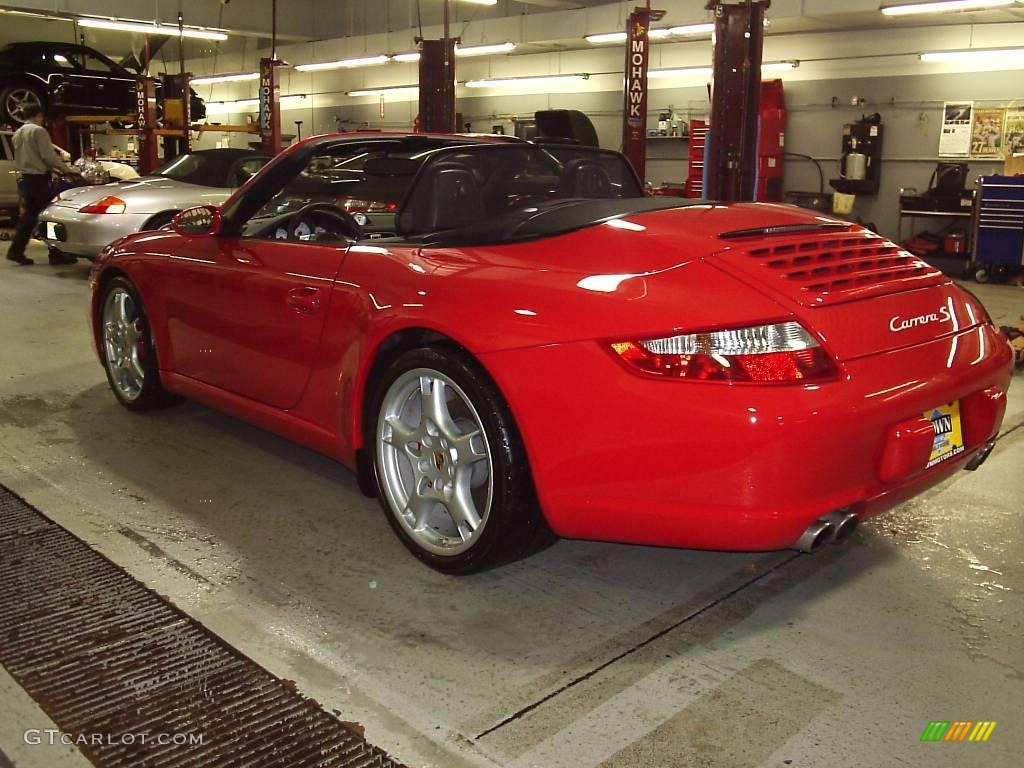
(35, 196)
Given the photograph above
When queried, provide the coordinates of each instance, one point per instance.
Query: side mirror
(201, 221)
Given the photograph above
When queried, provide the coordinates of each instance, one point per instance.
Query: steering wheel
(323, 222)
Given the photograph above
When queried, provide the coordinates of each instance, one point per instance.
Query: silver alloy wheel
(123, 343)
(435, 461)
(18, 99)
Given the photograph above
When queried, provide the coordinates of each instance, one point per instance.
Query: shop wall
(880, 66)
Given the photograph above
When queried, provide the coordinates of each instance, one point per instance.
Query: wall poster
(955, 139)
(1013, 138)
(987, 133)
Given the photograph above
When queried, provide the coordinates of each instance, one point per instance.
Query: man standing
(35, 158)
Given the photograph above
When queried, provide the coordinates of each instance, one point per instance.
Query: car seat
(446, 197)
(585, 178)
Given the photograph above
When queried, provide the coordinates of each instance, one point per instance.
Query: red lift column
(437, 86)
(771, 142)
(145, 117)
(731, 156)
(634, 110)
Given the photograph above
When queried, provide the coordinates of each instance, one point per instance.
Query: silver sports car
(81, 221)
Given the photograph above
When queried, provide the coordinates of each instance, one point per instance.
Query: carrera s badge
(898, 324)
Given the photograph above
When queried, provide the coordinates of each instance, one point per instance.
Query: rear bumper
(744, 467)
(86, 234)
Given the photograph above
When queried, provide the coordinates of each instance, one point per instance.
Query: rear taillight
(781, 352)
(355, 205)
(109, 204)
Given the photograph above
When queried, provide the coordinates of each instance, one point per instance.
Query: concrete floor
(585, 655)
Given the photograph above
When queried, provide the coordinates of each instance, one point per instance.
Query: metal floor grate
(104, 655)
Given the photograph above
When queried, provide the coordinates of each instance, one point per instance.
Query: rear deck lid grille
(833, 267)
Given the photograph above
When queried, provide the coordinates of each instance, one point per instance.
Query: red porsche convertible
(507, 341)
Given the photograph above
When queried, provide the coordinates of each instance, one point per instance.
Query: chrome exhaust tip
(979, 458)
(843, 524)
(817, 533)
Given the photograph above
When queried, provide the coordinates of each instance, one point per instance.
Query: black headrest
(586, 178)
(446, 196)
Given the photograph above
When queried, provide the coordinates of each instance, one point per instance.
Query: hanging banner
(270, 107)
(634, 113)
(987, 133)
(955, 139)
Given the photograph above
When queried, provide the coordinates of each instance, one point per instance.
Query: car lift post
(634, 111)
(730, 163)
(437, 82)
(145, 120)
(176, 118)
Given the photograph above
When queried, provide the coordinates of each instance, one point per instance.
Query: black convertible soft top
(550, 219)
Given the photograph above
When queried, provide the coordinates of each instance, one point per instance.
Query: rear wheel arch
(388, 350)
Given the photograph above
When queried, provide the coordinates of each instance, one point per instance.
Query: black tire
(514, 526)
(9, 114)
(158, 221)
(58, 256)
(151, 394)
(982, 274)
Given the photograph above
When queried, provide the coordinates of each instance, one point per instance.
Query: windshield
(225, 168)
(462, 186)
(357, 178)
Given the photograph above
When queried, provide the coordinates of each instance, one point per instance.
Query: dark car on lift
(64, 78)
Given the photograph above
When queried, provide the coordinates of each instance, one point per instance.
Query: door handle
(305, 299)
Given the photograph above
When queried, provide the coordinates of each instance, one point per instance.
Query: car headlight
(779, 352)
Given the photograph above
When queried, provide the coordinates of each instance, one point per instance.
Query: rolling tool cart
(998, 251)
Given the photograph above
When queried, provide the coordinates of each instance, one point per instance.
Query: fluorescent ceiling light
(151, 29)
(481, 2)
(366, 61)
(34, 14)
(661, 33)
(768, 66)
(606, 37)
(484, 50)
(657, 74)
(998, 56)
(947, 6)
(388, 89)
(539, 80)
(225, 78)
(692, 29)
(244, 105)
(406, 57)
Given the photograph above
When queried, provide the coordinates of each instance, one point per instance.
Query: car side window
(65, 62)
(339, 176)
(246, 169)
(96, 64)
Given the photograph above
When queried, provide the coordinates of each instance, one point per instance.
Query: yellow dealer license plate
(949, 440)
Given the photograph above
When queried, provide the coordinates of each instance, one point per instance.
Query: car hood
(150, 194)
(711, 266)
